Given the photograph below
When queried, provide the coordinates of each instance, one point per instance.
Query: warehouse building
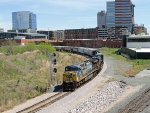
(136, 46)
(89, 33)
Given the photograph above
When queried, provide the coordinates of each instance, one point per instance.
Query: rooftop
(139, 36)
(141, 50)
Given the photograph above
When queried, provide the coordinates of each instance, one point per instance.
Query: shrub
(11, 49)
(45, 48)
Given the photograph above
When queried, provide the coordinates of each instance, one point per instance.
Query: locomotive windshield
(72, 68)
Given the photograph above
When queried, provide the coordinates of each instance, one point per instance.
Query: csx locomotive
(75, 75)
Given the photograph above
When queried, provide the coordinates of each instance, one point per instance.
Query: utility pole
(53, 70)
(48, 34)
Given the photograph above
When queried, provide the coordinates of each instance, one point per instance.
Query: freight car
(80, 50)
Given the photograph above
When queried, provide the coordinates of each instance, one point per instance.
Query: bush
(11, 49)
(46, 48)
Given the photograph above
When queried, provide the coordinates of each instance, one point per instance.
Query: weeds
(11, 49)
(24, 72)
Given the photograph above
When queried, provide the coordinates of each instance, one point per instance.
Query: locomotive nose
(69, 75)
(68, 81)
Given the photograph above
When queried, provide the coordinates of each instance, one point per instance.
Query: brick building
(90, 33)
(93, 43)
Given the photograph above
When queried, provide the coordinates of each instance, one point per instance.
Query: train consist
(75, 75)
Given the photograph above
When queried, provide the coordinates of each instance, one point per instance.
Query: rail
(50, 100)
(138, 104)
(38, 106)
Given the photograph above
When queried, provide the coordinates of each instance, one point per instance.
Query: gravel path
(140, 83)
(102, 99)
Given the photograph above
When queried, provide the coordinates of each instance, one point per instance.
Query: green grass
(11, 49)
(25, 71)
(112, 53)
(137, 64)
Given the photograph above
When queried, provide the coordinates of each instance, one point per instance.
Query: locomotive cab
(70, 77)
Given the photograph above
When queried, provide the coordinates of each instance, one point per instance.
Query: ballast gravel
(98, 102)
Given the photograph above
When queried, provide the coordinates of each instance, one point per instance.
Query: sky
(66, 14)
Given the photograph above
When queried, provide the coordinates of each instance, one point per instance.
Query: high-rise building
(24, 20)
(124, 14)
(101, 19)
(110, 18)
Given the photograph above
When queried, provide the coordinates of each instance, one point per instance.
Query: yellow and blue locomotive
(76, 75)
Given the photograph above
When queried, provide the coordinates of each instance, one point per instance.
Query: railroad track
(38, 106)
(138, 104)
(44, 103)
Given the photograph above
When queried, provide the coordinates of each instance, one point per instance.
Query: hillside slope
(24, 76)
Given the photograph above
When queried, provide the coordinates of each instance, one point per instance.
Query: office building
(101, 19)
(110, 18)
(124, 14)
(24, 20)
